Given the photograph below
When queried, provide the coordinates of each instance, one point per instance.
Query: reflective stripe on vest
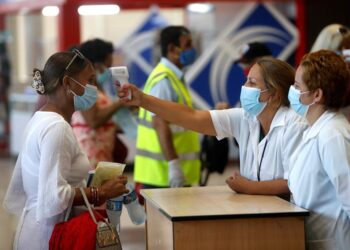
(150, 164)
(174, 128)
(160, 156)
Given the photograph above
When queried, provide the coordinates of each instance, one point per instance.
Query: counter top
(217, 202)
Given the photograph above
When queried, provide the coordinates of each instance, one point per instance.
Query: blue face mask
(105, 76)
(88, 99)
(250, 100)
(105, 81)
(294, 99)
(187, 56)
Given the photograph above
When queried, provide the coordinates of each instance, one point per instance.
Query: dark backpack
(214, 156)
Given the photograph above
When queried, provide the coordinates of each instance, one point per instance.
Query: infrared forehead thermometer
(121, 75)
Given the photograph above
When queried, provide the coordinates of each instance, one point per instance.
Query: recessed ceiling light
(50, 11)
(200, 7)
(105, 9)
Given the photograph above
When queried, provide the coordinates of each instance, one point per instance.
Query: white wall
(33, 40)
(35, 37)
(117, 27)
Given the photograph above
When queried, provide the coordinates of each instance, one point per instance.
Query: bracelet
(93, 195)
(97, 197)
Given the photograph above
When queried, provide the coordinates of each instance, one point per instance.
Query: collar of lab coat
(277, 121)
(254, 127)
(315, 129)
(279, 118)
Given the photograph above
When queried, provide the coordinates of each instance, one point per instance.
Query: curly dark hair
(328, 71)
(96, 50)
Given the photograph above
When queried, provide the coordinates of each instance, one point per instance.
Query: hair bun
(37, 83)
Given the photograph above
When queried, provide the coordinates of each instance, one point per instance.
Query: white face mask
(88, 99)
(250, 100)
(294, 99)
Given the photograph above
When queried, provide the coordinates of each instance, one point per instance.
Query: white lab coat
(285, 132)
(320, 181)
(50, 165)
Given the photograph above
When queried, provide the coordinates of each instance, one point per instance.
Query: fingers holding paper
(115, 187)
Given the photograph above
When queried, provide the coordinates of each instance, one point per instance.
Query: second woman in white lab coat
(319, 179)
(266, 129)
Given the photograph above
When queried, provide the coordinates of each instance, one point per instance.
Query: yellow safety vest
(151, 167)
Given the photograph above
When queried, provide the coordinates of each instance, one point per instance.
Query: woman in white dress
(319, 178)
(266, 129)
(51, 166)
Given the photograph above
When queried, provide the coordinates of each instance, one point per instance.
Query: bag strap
(69, 209)
(88, 205)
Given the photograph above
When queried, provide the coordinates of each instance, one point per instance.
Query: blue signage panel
(215, 77)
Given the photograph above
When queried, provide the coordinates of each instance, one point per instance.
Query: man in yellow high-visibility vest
(168, 155)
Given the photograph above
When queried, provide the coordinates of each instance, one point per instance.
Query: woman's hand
(136, 94)
(238, 183)
(114, 187)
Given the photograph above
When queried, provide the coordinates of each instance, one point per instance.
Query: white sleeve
(15, 197)
(293, 135)
(227, 122)
(57, 152)
(335, 158)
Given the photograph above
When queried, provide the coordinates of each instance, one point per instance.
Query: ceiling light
(106, 9)
(50, 11)
(200, 7)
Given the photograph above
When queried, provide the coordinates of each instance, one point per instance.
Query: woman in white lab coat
(319, 178)
(266, 129)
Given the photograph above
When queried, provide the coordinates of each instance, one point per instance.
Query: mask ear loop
(308, 105)
(69, 91)
(264, 91)
(301, 93)
(81, 85)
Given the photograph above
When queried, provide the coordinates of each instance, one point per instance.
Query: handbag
(87, 231)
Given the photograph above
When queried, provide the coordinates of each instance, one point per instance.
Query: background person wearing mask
(94, 128)
(249, 54)
(266, 129)
(166, 154)
(51, 167)
(319, 179)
